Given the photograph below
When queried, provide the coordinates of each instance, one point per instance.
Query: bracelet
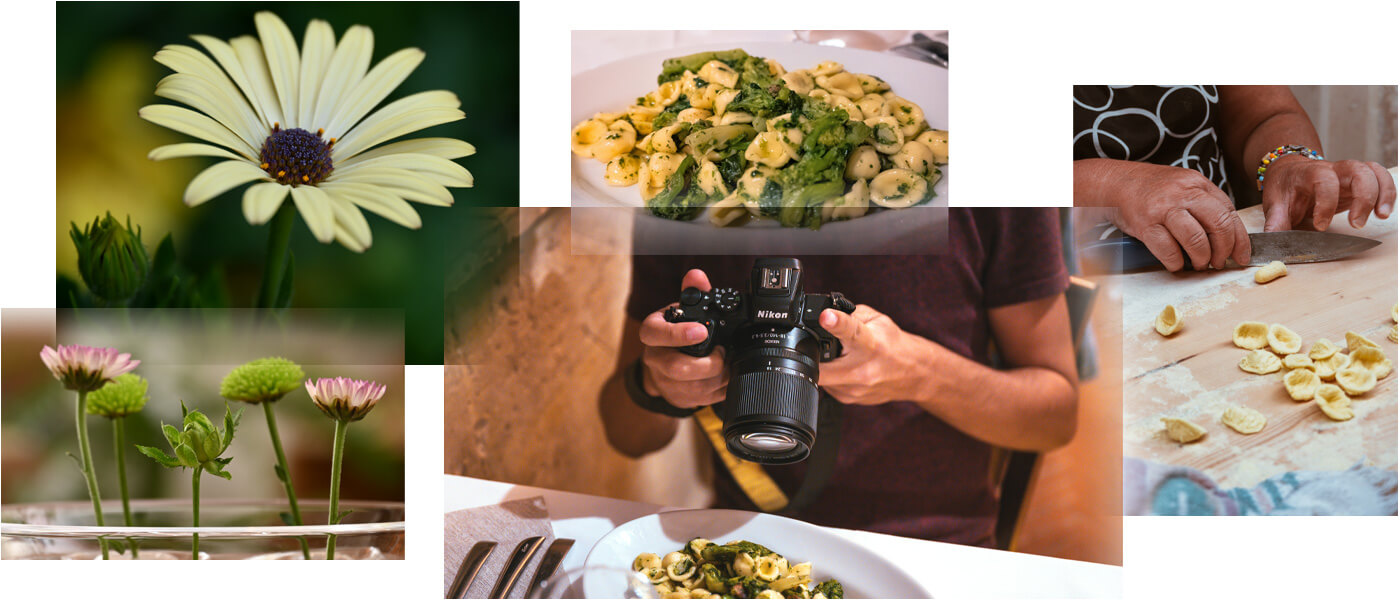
(1281, 152)
(648, 402)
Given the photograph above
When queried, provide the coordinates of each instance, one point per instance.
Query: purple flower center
(297, 156)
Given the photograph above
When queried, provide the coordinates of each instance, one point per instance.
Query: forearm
(1094, 185)
(630, 429)
(1257, 119)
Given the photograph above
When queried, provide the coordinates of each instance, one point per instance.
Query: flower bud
(124, 396)
(262, 380)
(111, 258)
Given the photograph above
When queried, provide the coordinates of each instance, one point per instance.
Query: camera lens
(770, 408)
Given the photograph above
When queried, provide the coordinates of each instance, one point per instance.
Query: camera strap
(757, 484)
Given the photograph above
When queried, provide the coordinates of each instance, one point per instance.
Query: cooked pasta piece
(936, 140)
(898, 188)
(914, 156)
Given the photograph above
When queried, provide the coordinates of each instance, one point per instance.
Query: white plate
(918, 230)
(861, 572)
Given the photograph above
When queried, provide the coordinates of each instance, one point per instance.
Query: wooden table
(1195, 375)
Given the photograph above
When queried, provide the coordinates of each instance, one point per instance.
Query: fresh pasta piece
(1395, 313)
(1355, 380)
(1327, 368)
(1297, 361)
(1252, 335)
(1167, 321)
(1394, 334)
(1270, 272)
(1371, 359)
(1181, 430)
(1333, 402)
(1301, 384)
(898, 188)
(1356, 340)
(914, 156)
(1322, 349)
(936, 140)
(1283, 341)
(1260, 362)
(1244, 419)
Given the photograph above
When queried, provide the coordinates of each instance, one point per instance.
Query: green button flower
(262, 380)
(125, 395)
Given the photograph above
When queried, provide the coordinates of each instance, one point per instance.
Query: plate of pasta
(739, 554)
(768, 136)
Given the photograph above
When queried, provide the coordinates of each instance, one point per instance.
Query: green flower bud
(198, 444)
(125, 395)
(111, 258)
(262, 380)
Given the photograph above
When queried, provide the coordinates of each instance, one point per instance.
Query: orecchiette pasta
(1167, 321)
(1283, 341)
(1260, 362)
(704, 569)
(1244, 419)
(1252, 335)
(1181, 430)
(1297, 361)
(1355, 380)
(724, 131)
(1301, 384)
(1356, 340)
(1333, 402)
(1371, 359)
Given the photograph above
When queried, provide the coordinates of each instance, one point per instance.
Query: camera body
(773, 344)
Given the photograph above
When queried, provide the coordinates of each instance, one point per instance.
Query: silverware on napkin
(471, 565)
(518, 560)
(552, 558)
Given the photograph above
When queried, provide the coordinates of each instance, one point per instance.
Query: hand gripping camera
(773, 344)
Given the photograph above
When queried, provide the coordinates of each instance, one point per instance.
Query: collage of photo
(769, 347)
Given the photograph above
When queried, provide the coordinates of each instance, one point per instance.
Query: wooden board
(1195, 375)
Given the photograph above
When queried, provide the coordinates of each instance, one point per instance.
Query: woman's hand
(1300, 193)
(1170, 209)
(683, 380)
(879, 362)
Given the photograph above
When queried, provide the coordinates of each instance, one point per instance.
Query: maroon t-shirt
(900, 470)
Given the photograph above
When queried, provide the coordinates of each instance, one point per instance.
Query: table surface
(1195, 375)
(983, 573)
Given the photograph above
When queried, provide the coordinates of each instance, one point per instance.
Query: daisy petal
(401, 182)
(215, 87)
(345, 70)
(197, 125)
(378, 201)
(231, 112)
(371, 90)
(439, 170)
(316, 50)
(402, 116)
(254, 62)
(440, 147)
(349, 218)
(261, 201)
(315, 209)
(283, 62)
(348, 240)
(220, 178)
(189, 149)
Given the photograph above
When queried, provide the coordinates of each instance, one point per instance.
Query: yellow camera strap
(756, 483)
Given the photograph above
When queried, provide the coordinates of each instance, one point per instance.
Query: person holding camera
(922, 404)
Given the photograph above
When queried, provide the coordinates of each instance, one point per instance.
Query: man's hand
(683, 380)
(880, 362)
(1300, 193)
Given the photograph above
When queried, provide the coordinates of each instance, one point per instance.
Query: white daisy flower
(294, 123)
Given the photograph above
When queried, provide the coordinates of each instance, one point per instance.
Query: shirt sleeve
(1023, 258)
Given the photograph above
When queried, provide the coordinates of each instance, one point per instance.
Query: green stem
(194, 553)
(119, 441)
(275, 263)
(86, 450)
(337, 453)
(286, 474)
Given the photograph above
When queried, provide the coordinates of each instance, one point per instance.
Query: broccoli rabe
(668, 116)
(673, 68)
(725, 553)
(830, 588)
(819, 175)
(681, 199)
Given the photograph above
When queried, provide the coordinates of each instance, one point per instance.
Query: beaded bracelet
(1281, 152)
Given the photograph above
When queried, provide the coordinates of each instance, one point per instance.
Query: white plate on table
(916, 230)
(863, 573)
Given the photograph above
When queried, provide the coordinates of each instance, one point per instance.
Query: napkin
(507, 524)
(1156, 489)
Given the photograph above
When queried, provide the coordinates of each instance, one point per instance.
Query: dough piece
(1395, 313)
(1244, 419)
(1283, 340)
(1394, 334)
(1168, 322)
(1371, 359)
(1356, 380)
(1252, 335)
(1260, 362)
(1301, 384)
(1327, 368)
(1297, 361)
(1183, 431)
(1333, 402)
(1270, 272)
(1322, 349)
(1356, 340)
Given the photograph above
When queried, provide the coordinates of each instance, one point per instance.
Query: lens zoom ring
(760, 393)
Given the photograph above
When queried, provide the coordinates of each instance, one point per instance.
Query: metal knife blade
(552, 557)
(1293, 247)
(515, 565)
(471, 565)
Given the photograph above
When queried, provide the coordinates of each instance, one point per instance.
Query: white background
(1010, 110)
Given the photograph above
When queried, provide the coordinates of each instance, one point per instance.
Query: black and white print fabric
(1166, 125)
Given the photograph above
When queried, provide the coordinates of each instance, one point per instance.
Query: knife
(1290, 247)
(552, 557)
(515, 565)
(471, 565)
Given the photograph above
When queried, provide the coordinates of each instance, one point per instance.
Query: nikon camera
(773, 344)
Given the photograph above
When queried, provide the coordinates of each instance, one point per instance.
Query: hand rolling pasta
(739, 137)
(740, 569)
